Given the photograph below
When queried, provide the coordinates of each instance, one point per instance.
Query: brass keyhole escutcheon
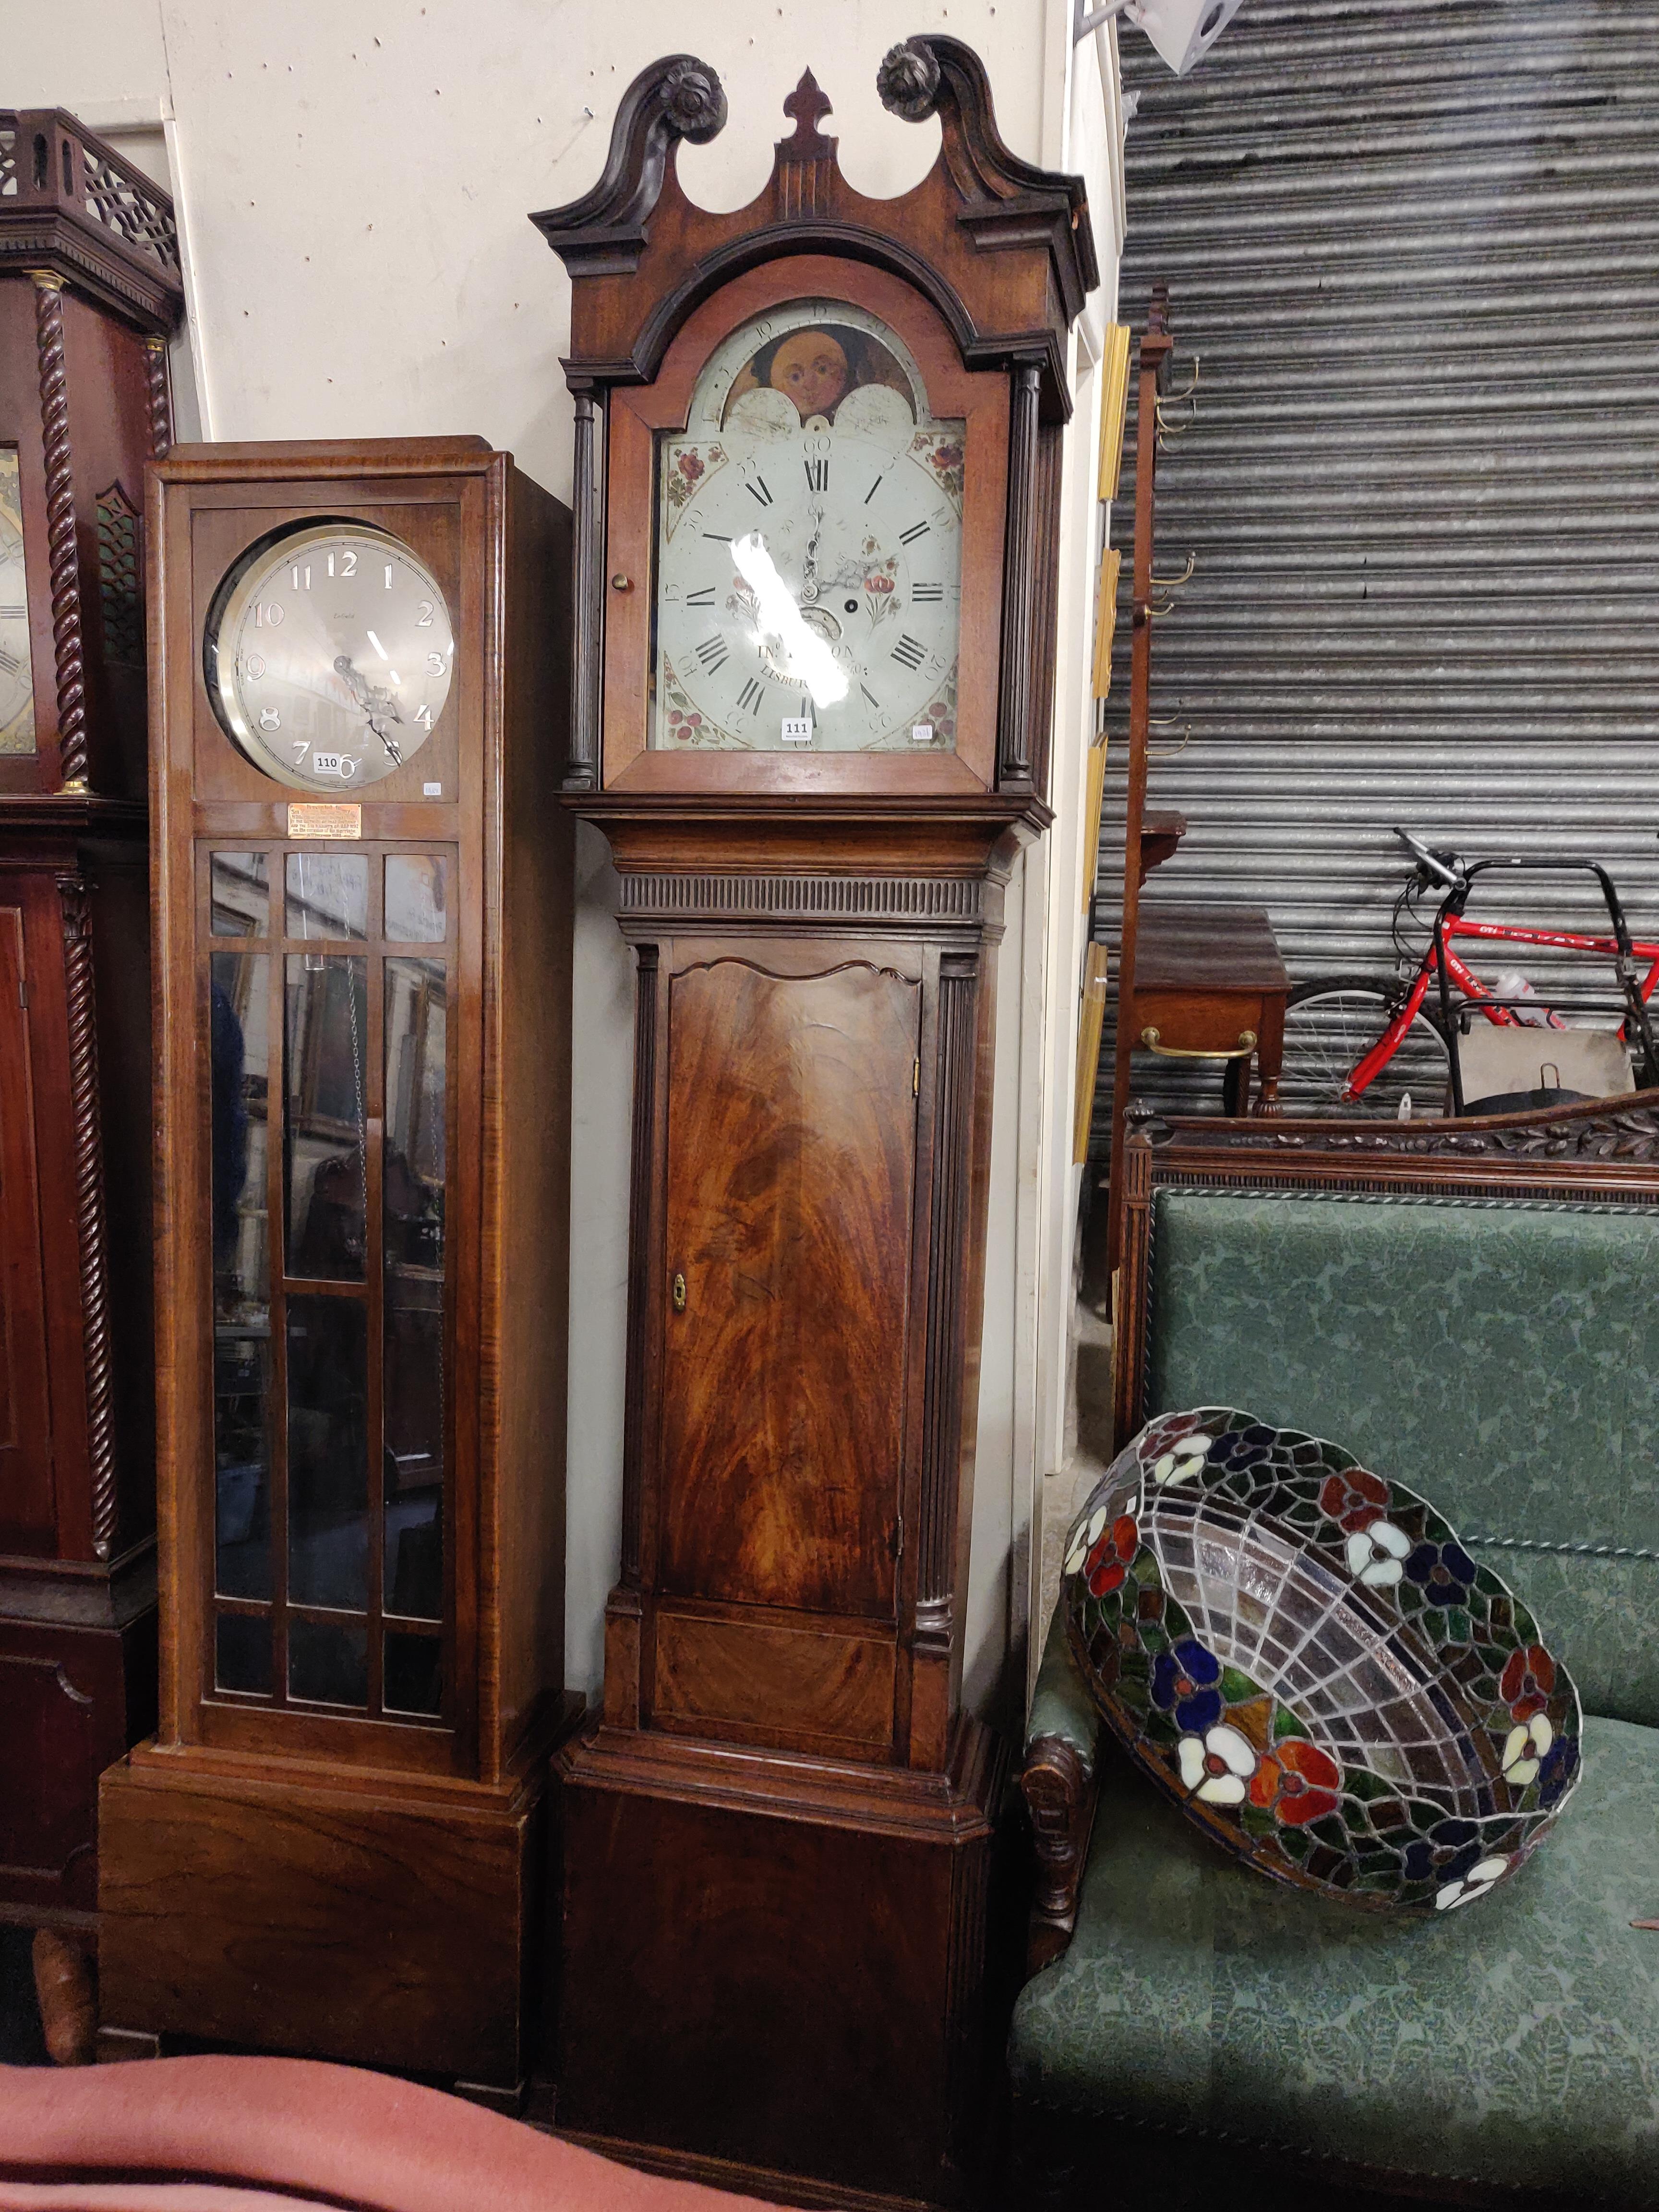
(679, 1293)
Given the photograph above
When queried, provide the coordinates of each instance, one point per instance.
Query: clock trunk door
(791, 1140)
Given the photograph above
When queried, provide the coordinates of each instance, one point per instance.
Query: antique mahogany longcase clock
(817, 482)
(89, 289)
(363, 908)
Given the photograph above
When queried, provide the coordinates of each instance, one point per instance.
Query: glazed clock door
(803, 545)
(791, 1121)
(329, 985)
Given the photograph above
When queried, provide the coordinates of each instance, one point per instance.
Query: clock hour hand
(372, 701)
(809, 589)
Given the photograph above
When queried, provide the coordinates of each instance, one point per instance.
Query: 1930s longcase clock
(818, 471)
(90, 291)
(363, 913)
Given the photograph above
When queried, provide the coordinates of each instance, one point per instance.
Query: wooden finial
(808, 103)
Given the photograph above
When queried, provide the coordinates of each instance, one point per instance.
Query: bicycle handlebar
(1432, 867)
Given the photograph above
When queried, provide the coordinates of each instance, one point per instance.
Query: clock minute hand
(810, 661)
(365, 697)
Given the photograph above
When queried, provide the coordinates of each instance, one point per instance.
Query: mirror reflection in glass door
(238, 1002)
(325, 1134)
(413, 1198)
(331, 1347)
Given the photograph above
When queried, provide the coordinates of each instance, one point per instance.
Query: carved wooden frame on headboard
(1608, 1151)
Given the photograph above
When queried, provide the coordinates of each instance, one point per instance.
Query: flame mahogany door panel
(791, 1138)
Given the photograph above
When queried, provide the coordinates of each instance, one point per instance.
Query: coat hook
(1171, 583)
(1168, 722)
(1166, 397)
(1165, 401)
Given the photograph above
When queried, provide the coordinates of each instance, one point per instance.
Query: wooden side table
(1209, 985)
(1204, 983)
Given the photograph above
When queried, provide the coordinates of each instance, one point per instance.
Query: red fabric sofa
(253, 2135)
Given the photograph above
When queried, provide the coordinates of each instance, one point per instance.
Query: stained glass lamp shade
(1304, 1656)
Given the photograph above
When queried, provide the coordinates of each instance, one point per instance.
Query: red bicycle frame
(1451, 925)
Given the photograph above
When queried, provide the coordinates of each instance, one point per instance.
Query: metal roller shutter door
(1416, 247)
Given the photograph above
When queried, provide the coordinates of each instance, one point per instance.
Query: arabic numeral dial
(329, 655)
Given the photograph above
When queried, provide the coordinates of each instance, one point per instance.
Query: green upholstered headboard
(1500, 1355)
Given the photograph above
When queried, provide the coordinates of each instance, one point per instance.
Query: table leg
(1270, 1053)
(1236, 1086)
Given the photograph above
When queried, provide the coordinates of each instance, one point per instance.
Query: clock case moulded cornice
(70, 204)
(1009, 251)
(90, 292)
(1001, 250)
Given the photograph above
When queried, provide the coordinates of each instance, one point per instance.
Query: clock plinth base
(776, 1965)
(347, 1916)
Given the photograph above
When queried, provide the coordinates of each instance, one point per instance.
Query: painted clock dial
(328, 653)
(809, 546)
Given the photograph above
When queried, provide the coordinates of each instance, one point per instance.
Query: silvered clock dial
(328, 654)
(809, 545)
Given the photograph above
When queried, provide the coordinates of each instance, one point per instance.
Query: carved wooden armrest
(1059, 1786)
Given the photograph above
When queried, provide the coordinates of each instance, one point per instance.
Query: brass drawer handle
(679, 1293)
(1241, 1050)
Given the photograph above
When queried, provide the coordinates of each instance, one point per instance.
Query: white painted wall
(1093, 144)
(353, 182)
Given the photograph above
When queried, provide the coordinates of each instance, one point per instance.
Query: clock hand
(811, 660)
(371, 700)
(809, 589)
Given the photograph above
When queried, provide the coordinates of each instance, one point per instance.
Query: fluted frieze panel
(853, 898)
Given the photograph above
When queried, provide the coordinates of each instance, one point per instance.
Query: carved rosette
(67, 645)
(86, 1139)
(693, 100)
(908, 81)
(160, 397)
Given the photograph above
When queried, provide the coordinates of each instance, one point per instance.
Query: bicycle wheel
(1332, 1023)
